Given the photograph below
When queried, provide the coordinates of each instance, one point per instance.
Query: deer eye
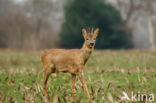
(94, 38)
(87, 39)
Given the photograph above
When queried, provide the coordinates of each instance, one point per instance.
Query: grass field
(107, 73)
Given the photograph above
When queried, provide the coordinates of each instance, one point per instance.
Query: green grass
(107, 73)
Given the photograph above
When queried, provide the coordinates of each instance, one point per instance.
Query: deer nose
(91, 44)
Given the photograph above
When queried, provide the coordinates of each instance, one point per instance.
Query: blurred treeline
(40, 24)
(28, 24)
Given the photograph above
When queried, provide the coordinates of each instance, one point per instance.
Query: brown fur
(72, 60)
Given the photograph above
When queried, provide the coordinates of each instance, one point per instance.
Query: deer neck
(86, 52)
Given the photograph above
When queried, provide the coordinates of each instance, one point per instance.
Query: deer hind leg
(46, 72)
(73, 84)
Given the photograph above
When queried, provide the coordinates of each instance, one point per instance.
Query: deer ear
(84, 32)
(96, 32)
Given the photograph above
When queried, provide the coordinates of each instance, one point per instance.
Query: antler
(92, 30)
(88, 29)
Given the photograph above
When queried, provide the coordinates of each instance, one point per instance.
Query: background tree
(149, 24)
(88, 13)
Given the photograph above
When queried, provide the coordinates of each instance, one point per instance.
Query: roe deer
(72, 60)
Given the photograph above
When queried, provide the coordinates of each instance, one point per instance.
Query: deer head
(90, 37)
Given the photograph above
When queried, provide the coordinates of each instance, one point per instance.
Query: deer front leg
(84, 84)
(73, 84)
